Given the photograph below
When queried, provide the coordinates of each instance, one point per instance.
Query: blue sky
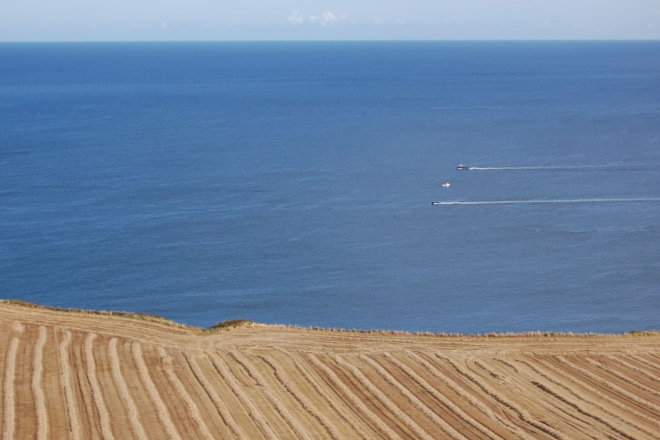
(150, 20)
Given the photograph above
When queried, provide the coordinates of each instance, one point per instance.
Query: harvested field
(79, 375)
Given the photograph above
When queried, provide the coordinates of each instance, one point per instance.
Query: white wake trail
(567, 168)
(505, 168)
(522, 202)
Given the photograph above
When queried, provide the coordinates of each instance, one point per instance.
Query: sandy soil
(86, 376)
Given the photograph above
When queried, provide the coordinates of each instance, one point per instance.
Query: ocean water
(292, 182)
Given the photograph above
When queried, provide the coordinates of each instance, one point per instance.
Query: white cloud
(327, 18)
(296, 17)
(378, 19)
(164, 25)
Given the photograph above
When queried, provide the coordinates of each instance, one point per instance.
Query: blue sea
(292, 182)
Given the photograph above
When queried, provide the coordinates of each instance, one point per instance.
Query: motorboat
(446, 185)
(462, 167)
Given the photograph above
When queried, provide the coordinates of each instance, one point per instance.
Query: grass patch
(230, 324)
(643, 333)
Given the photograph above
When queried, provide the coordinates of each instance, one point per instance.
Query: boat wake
(565, 168)
(541, 201)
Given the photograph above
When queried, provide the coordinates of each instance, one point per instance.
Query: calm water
(292, 182)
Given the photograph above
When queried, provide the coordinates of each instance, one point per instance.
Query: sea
(293, 182)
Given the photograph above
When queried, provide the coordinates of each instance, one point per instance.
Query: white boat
(462, 167)
(446, 185)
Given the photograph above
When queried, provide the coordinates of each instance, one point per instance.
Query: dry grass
(129, 315)
(88, 374)
(230, 324)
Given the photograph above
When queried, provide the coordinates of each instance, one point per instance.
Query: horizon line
(494, 40)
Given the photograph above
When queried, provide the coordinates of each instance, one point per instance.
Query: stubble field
(96, 376)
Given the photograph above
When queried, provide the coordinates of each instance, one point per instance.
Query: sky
(202, 20)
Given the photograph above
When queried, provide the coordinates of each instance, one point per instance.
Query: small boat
(436, 203)
(446, 185)
(462, 167)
